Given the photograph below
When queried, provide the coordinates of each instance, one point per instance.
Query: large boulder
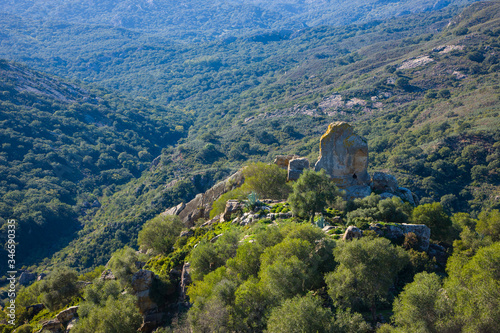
(201, 205)
(398, 232)
(185, 281)
(406, 195)
(232, 207)
(352, 232)
(296, 167)
(53, 326)
(283, 160)
(142, 282)
(357, 191)
(67, 315)
(26, 277)
(382, 182)
(174, 210)
(344, 156)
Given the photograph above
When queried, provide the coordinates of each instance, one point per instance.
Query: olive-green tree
(123, 264)
(419, 307)
(59, 288)
(117, 315)
(433, 216)
(367, 269)
(312, 192)
(160, 233)
(267, 180)
(301, 314)
(473, 286)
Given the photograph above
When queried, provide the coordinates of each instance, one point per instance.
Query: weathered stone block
(283, 160)
(382, 182)
(344, 156)
(296, 167)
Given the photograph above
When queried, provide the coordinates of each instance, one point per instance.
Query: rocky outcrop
(174, 210)
(71, 325)
(151, 321)
(382, 182)
(53, 326)
(283, 160)
(397, 232)
(141, 285)
(107, 275)
(185, 282)
(387, 186)
(344, 156)
(352, 232)
(26, 277)
(67, 315)
(232, 207)
(295, 168)
(35, 308)
(201, 205)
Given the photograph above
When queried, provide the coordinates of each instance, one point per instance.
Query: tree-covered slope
(422, 88)
(426, 104)
(206, 20)
(65, 147)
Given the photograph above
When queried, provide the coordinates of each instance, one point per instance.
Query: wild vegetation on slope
(65, 149)
(424, 93)
(290, 275)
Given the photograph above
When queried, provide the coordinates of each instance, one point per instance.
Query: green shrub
(160, 234)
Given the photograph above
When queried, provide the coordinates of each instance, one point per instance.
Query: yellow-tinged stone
(344, 156)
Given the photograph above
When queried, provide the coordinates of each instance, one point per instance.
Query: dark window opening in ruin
(354, 176)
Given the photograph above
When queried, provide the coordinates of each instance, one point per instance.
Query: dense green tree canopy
(311, 193)
(367, 269)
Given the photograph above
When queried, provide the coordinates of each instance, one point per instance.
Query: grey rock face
(232, 206)
(174, 210)
(398, 231)
(357, 191)
(344, 156)
(26, 277)
(141, 284)
(352, 232)
(296, 167)
(406, 195)
(383, 182)
(201, 205)
(67, 315)
(53, 326)
(283, 160)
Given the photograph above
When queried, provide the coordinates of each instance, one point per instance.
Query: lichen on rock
(344, 156)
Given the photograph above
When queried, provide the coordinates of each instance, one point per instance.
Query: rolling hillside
(422, 88)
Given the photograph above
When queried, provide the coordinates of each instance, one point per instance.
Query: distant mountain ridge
(205, 20)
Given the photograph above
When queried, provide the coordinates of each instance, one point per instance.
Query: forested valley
(113, 116)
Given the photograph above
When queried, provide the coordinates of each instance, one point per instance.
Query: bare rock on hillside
(232, 207)
(352, 232)
(398, 231)
(296, 166)
(142, 282)
(344, 156)
(283, 160)
(382, 182)
(174, 210)
(26, 277)
(53, 326)
(201, 205)
(67, 315)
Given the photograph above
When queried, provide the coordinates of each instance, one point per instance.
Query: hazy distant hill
(195, 19)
